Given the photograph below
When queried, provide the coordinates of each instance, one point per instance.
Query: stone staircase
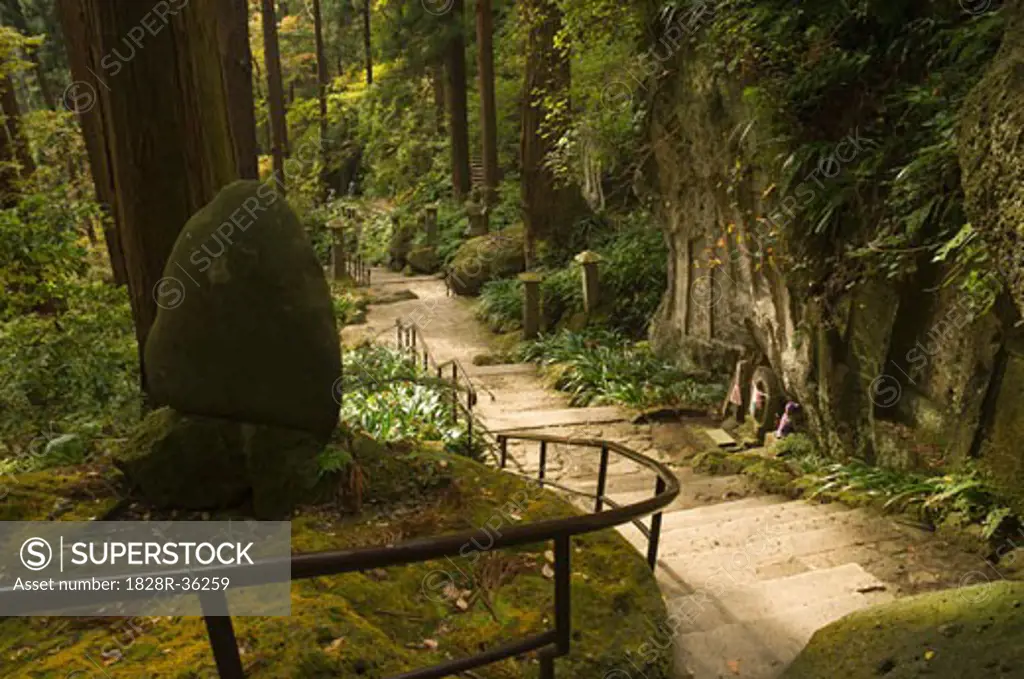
(747, 578)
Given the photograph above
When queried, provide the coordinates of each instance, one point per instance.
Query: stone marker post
(430, 225)
(531, 304)
(591, 282)
(338, 254)
(478, 219)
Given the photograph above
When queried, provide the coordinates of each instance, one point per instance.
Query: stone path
(747, 577)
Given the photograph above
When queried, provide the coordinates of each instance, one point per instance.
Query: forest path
(747, 577)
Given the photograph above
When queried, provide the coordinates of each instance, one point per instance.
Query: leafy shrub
(501, 304)
(603, 367)
(391, 399)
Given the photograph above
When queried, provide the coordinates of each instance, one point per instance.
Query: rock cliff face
(905, 373)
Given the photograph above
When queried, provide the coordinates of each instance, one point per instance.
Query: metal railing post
(503, 444)
(563, 600)
(652, 544)
(222, 637)
(602, 479)
(455, 392)
(543, 461)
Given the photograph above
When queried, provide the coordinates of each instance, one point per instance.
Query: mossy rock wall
(955, 634)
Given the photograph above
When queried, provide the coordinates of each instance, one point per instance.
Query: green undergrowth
(388, 397)
(632, 279)
(349, 303)
(598, 367)
(382, 622)
(961, 504)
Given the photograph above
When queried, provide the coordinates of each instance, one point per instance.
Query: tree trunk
(321, 81)
(18, 21)
(166, 124)
(80, 39)
(488, 107)
(15, 159)
(367, 42)
(236, 62)
(549, 208)
(275, 91)
(458, 125)
(437, 83)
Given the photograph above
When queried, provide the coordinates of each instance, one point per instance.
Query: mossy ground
(382, 622)
(966, 632)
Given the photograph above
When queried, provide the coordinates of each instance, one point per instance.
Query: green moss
(388, 621)
(966, 632)
(70, 494)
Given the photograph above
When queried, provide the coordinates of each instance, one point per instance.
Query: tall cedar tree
(550, 206)
(236, 62)
(458, 125)
(275, 91)
(80, 40)
(166, 126)
(488, 109)
(367, 42)
(321, 82)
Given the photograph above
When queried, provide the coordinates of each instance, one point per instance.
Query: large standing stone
(253, 336)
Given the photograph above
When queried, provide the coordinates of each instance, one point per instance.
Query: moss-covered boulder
(281, 468)
(400, 244)
(966, 632)
(186, 461)
(423, 259)
(481, 259)
(252, 335)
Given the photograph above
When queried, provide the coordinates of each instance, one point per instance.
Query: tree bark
(15, 159)
(236, 62)
(367, 42)
(549, 208)
(437, 84)
(167, 129)
(17, 16)
(458, 125)
(275, 91)
(488, 107)
(321, 81)
(80, 38)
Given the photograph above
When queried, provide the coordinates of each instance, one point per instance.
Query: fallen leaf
(335, 645)
(733, 665)
(548, 572)
(928, 655)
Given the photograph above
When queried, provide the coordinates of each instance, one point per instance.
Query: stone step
(741, 525)
(720, 437)
(544, 419)
(761, 557)
(761, 648)
(787, 597)
(485, 371)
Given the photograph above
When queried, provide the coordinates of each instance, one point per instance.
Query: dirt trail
(747, 577)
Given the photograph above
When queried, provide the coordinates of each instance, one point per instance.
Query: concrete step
(787, 597)
(738, 526)
(484, 371)
(766, 555)
(543, 419)
(761, 648)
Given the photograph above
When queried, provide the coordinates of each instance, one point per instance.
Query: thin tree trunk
(166, 124)
(275, 91)
(437, 82)
(21, 25)
(550, 208)
(236, 62)
(367, 42)
(15, 157)
(488, 107)
(80, 37)
(321, 77)
(458, 124)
